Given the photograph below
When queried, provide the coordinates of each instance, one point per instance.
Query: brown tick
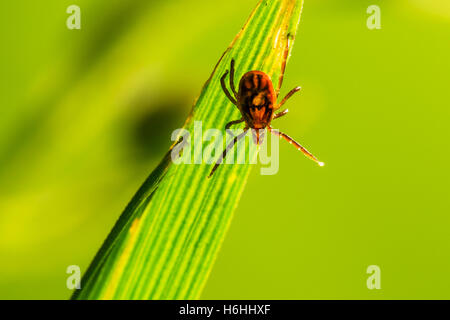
(257, 102)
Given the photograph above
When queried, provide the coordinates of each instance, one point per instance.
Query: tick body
(256, 99)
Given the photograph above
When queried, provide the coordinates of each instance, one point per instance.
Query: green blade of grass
(165, 242)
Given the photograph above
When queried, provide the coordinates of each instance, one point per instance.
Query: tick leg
(232, 78)
(280, 114)
(296, 144)
(228, 148)
(224, 87)
(229, 124)
(288, 96)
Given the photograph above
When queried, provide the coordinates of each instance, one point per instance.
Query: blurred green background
(87, 114)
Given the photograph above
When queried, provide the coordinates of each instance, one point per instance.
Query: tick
(257, 102)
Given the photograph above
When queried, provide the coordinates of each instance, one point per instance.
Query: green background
(87, 114)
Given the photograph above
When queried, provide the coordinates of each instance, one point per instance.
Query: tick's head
(258, 136)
